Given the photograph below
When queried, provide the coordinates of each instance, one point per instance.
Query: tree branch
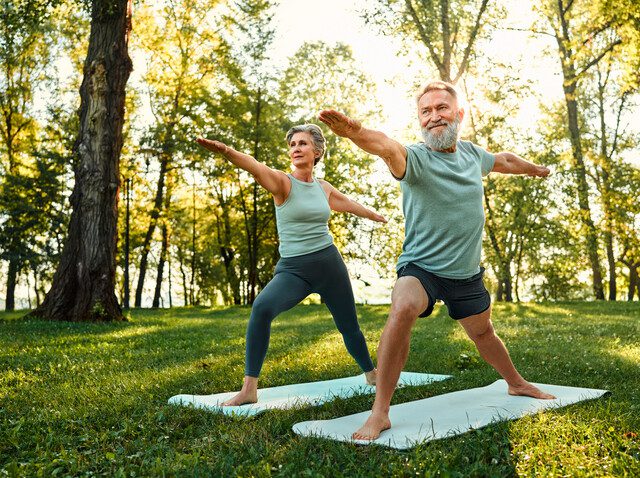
(472, 37)
(423, 35)
(599, 57)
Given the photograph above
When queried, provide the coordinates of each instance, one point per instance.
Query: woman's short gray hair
(316, 136)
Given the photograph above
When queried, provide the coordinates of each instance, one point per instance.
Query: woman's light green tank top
(303, 219)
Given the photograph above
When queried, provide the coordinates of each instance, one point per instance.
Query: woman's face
(301, 150)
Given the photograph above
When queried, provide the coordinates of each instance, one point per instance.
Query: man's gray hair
(437, 86)
(316, 136)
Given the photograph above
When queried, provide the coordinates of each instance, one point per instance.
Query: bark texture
(83, 286)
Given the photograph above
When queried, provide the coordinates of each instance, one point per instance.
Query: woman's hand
(213, 145)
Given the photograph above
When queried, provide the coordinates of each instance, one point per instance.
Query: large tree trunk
(84, 284)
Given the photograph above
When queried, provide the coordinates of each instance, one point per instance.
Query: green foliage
(81, 399)
(446, 32)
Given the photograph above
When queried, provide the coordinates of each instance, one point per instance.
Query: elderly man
(441, 182)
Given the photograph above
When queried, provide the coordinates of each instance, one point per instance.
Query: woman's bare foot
(375, 424)
(242, 398)
(371, 376)
(248, 394)
(529, 390)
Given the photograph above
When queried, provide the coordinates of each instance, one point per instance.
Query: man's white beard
(445, 140)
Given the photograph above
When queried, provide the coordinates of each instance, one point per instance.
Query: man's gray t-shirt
(442, 203)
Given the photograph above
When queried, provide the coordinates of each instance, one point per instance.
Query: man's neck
(452, 149)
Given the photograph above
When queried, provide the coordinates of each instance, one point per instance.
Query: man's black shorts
(463, 297)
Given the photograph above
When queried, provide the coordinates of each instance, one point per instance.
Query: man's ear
(461, 114)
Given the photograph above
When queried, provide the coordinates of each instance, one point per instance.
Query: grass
(91, 399)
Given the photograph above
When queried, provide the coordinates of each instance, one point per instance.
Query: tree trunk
(163, 257)
(499, 291)
(193, 240)
(569, 86)
(253, 258)
(12, 277)
(153, 221)
(84, 283)
(127, 281)
(591, 235)
(508, 284)
(165, 242)
(633, 283)
(185, 288)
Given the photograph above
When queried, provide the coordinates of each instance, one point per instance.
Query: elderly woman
(309, 260)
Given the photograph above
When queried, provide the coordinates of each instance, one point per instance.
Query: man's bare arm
(509, 163)
(375, 142)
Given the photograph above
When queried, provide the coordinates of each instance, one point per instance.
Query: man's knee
(483, 334)
(404, 312)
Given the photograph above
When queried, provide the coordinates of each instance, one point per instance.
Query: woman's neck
(305, 175)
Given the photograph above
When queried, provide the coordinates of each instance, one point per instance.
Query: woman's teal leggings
(295, 278)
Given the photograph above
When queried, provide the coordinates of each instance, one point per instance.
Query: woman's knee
(262, 310)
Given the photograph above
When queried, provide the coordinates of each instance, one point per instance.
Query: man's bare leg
(407, 302)
(480, 329)
(248, 394)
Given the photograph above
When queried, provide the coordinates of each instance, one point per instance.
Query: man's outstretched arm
(373, 142)
(509, 163)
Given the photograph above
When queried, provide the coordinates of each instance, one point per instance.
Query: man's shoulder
(470, 148)
(467, 146)
(417, 147)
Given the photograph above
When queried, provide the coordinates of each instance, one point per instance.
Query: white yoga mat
(447, 415)
(299, 394)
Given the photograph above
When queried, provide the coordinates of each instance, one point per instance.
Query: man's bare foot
(375, 424)
(242, 398)
(529, 390)
(371, 376)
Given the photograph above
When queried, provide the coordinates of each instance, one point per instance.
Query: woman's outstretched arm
(340, 203)
(273, 180)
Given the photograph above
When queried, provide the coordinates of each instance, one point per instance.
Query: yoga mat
(447, 415)
(299, 394)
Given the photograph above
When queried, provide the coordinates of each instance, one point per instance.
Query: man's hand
(212, 145)
(541, 172)
(378, 217)
(340, 124)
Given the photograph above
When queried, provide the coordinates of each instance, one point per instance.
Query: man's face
(440, 118)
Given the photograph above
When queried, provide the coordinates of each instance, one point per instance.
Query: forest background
(556, 83)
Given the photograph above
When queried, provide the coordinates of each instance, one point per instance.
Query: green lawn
(91, 399)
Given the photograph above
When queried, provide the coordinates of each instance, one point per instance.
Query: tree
(585, 33)
(84, 283)
(182, 50)
(24, 55)
(449, 30)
